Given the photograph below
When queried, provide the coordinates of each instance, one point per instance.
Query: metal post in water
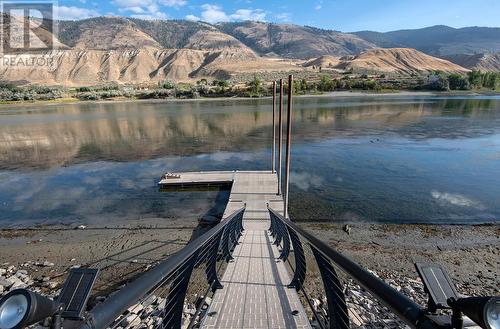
(288, 143)
(280, 137)
(274, 127)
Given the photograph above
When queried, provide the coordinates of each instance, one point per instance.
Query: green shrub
(458, 82)
(438, 82)
(476, 79)
(167, 85)
(326, 83)
(89, 96)
(255, 86)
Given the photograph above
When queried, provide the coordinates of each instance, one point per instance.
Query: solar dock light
(484, 311)
(21, 308)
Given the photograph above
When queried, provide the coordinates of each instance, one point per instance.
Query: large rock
(131, 320)
(17, 283)
(5, 283)
(136, 309)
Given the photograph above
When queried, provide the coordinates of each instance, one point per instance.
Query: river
(394, 159)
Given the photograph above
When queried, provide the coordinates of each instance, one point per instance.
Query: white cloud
(131, 3)
(213, 14)
(192, 18)
(135, 10)
(143, 9)
(74, 13)
(249, 15)
(318, 7)
(284, 17)
(173, 3)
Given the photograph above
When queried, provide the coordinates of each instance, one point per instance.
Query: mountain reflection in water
(390, 158)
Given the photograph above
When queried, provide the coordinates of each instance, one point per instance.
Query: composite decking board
(255, 293)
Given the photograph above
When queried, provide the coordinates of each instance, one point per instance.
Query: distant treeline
(473, 80)
(256, 87)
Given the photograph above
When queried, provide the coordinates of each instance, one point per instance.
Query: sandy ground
(120, 253)
(471, 254)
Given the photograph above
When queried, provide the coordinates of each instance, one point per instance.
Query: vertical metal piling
(280, 138)
(274, 127)
(288, 144)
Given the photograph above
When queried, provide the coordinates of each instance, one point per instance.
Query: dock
(255, 292)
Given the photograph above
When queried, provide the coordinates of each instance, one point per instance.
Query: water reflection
(371, 158)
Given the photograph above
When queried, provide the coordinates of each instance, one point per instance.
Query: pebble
(5, 283)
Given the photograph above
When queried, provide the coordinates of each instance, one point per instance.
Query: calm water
(377, 159)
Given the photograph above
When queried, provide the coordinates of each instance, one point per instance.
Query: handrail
(409, 311)
(106, 312)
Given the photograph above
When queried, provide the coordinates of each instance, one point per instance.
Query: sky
(345, 15)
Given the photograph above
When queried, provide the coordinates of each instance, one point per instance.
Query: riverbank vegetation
(255, 86)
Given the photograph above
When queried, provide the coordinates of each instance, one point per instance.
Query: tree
(438, 82)
(300, 86)
(221, 85)
(492, 80)
(458, 82)
(476, 79)
(202, 82)
(325, 83)
(256, 86)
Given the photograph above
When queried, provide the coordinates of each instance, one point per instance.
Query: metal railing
(288, 235)
(169, 278)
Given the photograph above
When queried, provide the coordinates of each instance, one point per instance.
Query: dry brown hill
(480, 62)
(15, 26)
(398, 60)
(294, 41)
(100, 35)
(323, 61)
(78, 67)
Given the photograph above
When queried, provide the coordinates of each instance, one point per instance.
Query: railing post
(288, 144)
(231, 234)
(285, 238)
(280, 137)
(172, 317)
(274, 127)
(338, 317)
(300, 262)
(211, 269)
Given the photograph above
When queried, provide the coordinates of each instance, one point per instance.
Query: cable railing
(293, 242)
(170, 278)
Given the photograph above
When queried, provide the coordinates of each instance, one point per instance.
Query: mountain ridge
(439, 40)
(129, 50)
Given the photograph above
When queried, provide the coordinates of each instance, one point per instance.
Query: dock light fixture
(21, 308)
(484, 311)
